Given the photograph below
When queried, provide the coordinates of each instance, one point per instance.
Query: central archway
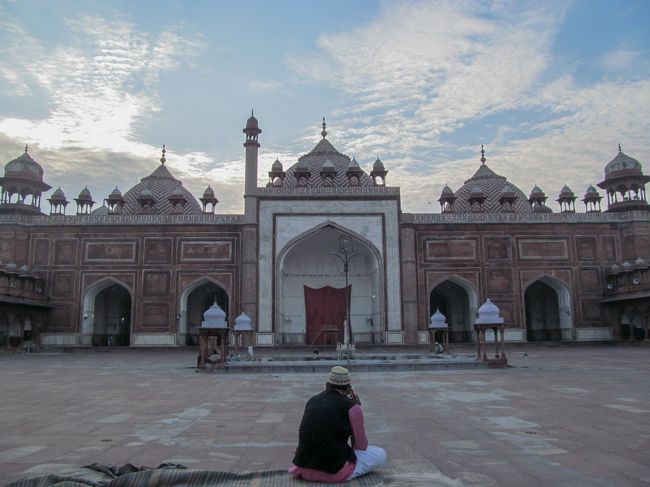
(311, 261)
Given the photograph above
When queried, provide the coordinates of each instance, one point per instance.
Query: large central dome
(325, 157)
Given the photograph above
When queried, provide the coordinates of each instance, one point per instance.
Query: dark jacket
(324, 433)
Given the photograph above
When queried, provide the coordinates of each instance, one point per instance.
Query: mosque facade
(323, 244)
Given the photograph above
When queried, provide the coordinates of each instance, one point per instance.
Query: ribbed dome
(566, 192)
(591, 190)
(58, 194)
(209, 192)
(492, 186)
(536, 191)
(622, 162)
(160, 185)
(276, 166)
(314, 162)
(353, 164)
(489, 313)
(116, 193)
(84, 194)
(447, 191)
(24, 167)
(243, 323)
(378, 166)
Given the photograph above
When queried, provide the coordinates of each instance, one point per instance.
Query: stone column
(409, 286)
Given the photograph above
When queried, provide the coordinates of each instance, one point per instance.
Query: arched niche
(458, 301)
(307, 260)
(195, 299)
(547, 305)
(107, 313)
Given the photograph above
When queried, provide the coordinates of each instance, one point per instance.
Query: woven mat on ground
(180, 477)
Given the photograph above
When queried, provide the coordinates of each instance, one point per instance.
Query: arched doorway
(107, 314)
(457, 301)
(548, 311)
(313, 265)
(195, 300)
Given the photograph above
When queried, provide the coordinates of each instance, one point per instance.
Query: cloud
(424, 75)
(621, 59)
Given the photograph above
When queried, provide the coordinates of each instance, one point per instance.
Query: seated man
(330, 419)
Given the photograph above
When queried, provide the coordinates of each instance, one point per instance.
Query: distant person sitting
(331, 418)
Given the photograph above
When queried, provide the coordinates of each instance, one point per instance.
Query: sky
(549, 88)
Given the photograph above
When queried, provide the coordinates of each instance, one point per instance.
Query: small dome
(11, 266)
(328, 164)
(438, 320)
(214, 317)
(208, 193)
(243, 323)
(488, 314)
(640, 263)
(24, 268)
(102, 210)
(378, 166)
(85, 194)
(507, 189)
(627, 266)
(591, 190)
(25, 167)
(178, 193)
(536, 191)
(353, 164)
(615, 269)
(146, 193)
(566, 191)
(622, 162)
(116, 193)
(58, 194)
(251, 123)
(276, 166)
(447, 191)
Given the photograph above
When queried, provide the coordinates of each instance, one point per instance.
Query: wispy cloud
(418, 74)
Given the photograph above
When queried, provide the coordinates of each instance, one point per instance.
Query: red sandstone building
(323, 240)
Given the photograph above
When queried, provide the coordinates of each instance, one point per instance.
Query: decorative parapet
(513, 218)
(279, 192)
(202, 219)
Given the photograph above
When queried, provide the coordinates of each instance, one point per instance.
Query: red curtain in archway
(325, 311)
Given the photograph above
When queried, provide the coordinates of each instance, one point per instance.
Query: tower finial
(25, 148)
(619, 148)
(324, 132)
(252, 113)
(162, 159)
(482, 155)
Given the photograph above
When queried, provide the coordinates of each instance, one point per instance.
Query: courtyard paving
(575, 416)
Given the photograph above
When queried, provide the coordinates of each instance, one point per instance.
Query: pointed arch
(368, 303)
(90, 295)
(564, 304)
(183, 299)
(460, 326)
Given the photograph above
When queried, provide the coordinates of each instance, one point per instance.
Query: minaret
(252, 130)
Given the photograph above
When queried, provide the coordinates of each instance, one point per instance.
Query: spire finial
(162, 159)
(25, 148)
(482, 155)
(252, 115)
(619, 148)
(324, 132)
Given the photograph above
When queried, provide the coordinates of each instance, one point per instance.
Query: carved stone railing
(460, 218)
(329, 191)
(202, 219)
